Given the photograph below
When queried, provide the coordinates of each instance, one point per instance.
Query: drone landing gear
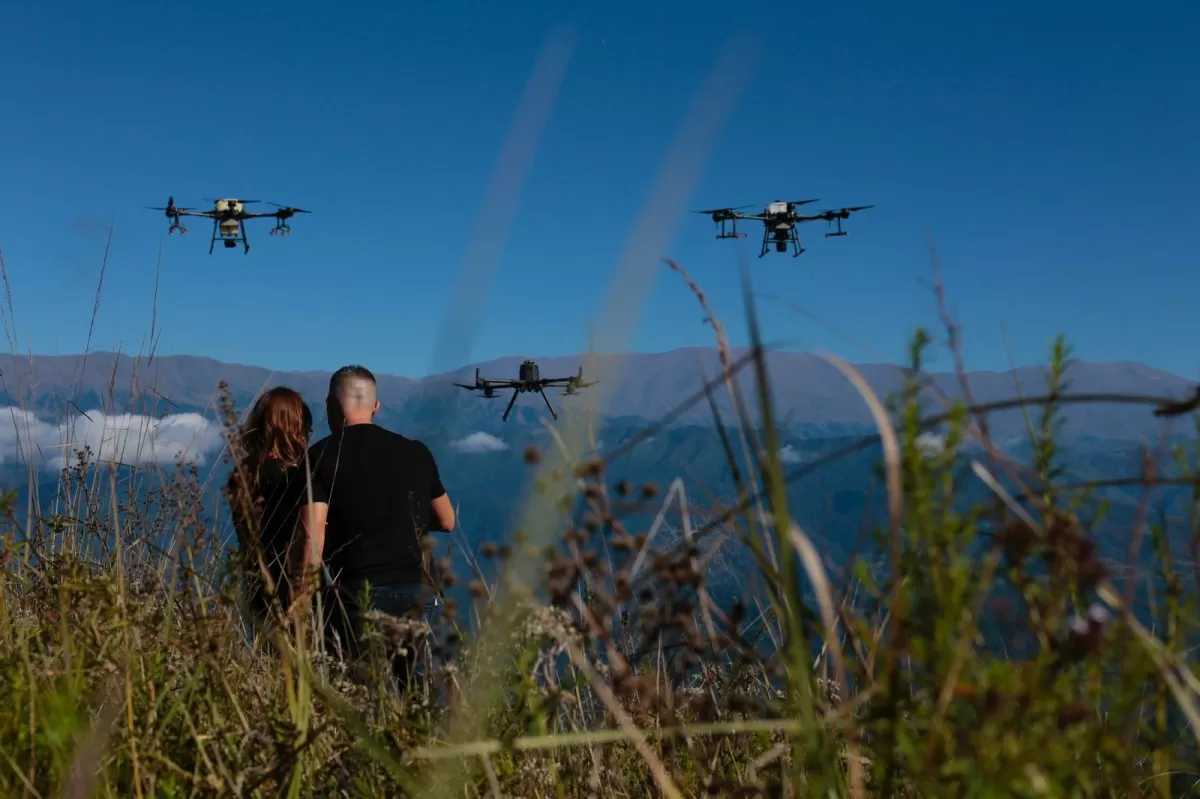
(513, 401)
(548, 405)
(281, 229)
(839, 232)
(732, 233)
(229, 241)
(508, 410)
(781, 239)
(176, 226)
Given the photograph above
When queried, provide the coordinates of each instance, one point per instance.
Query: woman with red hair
(266, 494)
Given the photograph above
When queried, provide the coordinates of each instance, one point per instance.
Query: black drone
(779, 223)
(528, 379)
(229, 217)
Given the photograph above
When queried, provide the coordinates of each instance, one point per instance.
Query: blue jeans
(399, 600)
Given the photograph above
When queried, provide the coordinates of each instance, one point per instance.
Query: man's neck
(357, 422)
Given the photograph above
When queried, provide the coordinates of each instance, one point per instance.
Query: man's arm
(314, 512)
(439, 500)
(443, 513)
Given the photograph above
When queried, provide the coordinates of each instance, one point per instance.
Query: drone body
(779, 220)
(529, 380)
(229, 217)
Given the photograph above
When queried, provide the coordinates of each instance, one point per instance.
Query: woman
(266, 494)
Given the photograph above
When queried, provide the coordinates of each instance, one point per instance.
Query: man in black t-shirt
(375, 495)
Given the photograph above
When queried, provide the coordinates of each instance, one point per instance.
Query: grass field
(596, 663)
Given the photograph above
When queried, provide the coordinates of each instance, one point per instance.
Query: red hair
(277, 428)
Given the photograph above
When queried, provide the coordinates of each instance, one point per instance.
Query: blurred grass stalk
(619, 316)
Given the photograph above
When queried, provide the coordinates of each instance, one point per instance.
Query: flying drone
(779, 223)
(229, 217)
(528, 379)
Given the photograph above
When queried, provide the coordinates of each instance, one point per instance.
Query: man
(375, 494)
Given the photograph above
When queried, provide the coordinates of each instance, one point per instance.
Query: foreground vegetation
(990, 653)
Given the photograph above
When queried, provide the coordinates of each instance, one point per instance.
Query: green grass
(125, 669)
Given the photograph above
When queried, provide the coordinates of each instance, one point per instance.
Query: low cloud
(790, 454)
(479, 442)
(930, 444)
(126, 438)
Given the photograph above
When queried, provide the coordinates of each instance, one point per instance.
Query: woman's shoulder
(273, 470)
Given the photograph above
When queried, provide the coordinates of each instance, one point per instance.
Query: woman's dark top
(277, 505)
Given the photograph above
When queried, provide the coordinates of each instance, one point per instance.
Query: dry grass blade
(599, 737)
(824, 591)
(986, 476)
(891, 457)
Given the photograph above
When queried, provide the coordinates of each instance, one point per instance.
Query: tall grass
(960, 662)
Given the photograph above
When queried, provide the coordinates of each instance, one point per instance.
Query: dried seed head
(649, 491)
(624, 488)
(532, 455)
(478, 589)
(1016, 540)
(488, 550)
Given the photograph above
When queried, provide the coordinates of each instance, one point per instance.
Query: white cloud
(479, 442)
(790, 454)
(126, 438)
(930, 444)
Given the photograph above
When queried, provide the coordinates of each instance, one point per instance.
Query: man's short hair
(348, 372)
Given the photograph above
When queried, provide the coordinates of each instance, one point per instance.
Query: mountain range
(818, 409)
(809, 393)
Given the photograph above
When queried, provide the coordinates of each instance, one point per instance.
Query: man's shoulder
(319, 445)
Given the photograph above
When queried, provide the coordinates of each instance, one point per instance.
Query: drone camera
(230, 244)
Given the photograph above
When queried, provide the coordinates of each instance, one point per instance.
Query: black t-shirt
(379, 486)
(278, 499)
(282, 489)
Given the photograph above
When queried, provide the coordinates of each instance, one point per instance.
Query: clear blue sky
(1049, 148)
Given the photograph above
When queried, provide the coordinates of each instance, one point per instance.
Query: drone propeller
(234, 199)
(289, 208)
(166, 208)
(724, 210)
(802, 202)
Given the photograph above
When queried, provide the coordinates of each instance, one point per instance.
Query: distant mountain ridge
(819, 409)
(808, 392)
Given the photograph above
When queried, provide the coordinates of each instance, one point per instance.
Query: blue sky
(1048, 148)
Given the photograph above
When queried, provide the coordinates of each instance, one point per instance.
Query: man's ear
(375, 410)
